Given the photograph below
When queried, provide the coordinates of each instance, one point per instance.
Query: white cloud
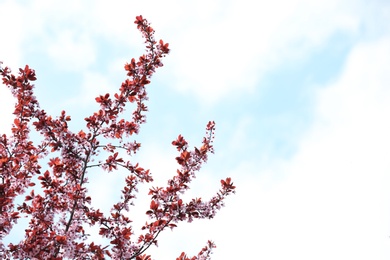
(12, 34)
(334, 202)
(93, 85)
(218, 49)
(333, 199)
(71, 51)
(230, 51)
(63, 31)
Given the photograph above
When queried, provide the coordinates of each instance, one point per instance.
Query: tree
(59, 210)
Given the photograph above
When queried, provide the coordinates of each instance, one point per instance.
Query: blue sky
(298, 89)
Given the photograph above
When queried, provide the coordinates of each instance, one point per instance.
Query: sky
(299, 91)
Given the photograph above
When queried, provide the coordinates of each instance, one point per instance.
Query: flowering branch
(59, 213)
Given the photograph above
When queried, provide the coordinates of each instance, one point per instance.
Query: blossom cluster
(60, 212)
